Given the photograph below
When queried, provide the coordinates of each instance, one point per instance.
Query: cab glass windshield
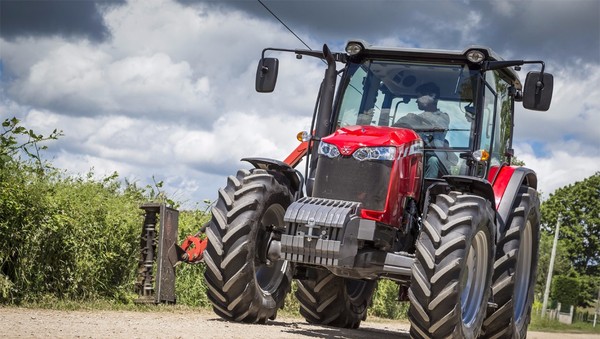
(435, 100)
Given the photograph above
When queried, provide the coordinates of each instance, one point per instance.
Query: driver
(433, 124)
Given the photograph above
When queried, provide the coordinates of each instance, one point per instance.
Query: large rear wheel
(335, 301)
(243, 285)
(515, 269)
(452, 272)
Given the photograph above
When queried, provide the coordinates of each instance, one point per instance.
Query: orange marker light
(481, 155)
(303, 136)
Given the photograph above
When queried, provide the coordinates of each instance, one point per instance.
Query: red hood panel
(350, 138)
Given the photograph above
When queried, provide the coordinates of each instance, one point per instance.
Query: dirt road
(38, 323)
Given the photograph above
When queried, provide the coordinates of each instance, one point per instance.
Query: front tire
(515, 270)
(334, 301)
(242, 284)
(452, 272)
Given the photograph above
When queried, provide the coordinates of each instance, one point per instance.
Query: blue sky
(166, 89)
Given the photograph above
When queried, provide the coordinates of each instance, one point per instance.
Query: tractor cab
(460, 106)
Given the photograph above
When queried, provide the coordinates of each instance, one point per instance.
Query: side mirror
(537, 93)
(266, 75)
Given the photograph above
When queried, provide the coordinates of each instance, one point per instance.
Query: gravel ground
(38, 323)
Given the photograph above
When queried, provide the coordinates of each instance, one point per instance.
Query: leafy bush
(565, 289)
(385, 301)
(60, 236)
(67, 237)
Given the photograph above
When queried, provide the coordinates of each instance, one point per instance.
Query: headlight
(328, 150)
(475, 56)
(353, 48)
(375, 153)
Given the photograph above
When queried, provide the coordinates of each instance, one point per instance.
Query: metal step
(399, 263)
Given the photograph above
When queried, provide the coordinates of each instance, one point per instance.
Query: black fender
(473, 185)
(520, 176)
(295, 180)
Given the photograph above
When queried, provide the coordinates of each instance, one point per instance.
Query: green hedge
(66, 237)
(78, 238)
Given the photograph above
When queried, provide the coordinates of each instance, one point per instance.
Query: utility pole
(597, 307)
(550, 268)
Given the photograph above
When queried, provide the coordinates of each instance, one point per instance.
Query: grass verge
(547, 325)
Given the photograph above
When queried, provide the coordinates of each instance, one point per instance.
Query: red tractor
(407, 178)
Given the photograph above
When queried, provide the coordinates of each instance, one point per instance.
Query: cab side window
(503, 119)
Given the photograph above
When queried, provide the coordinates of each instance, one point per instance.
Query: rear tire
(452, 272)
(242, 286)
(515, 270)
(334, 301)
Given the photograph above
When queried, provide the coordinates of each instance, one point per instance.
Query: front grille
(345, 178)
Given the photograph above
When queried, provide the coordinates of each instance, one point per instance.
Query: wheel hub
(269, 274)
(474, 279)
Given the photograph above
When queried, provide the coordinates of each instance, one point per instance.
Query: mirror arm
(540, 83)
(341, 57)
(299, 52)
(493, 65)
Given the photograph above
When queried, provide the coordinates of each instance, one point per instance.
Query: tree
(565, 289)
(516, 161)
(561, 264)
(578, 205)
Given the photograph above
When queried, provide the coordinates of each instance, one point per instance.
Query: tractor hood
(380, 185)
(349, 139)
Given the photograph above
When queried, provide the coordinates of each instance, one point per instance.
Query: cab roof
(432, 55)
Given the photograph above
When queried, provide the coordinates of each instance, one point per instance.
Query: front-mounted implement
(160, 229)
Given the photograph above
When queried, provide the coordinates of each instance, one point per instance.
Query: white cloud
(157, 82)
(69, 75)
(80, 79)
(560, 168)
(183, 62)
